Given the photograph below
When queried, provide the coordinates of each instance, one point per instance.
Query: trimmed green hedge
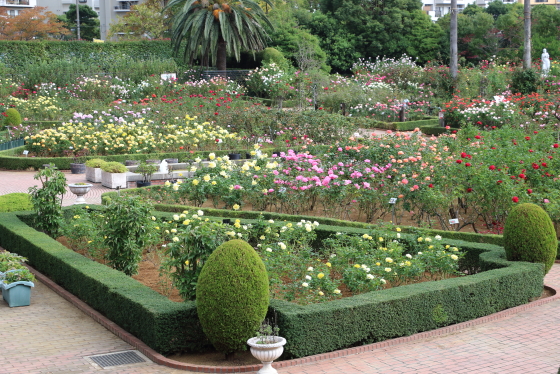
(369, 123)
(11, 160)
(169, 327)
(403, 311)
(162, 324)
(21, 53)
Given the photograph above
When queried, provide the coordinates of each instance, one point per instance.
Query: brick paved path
(20, 181)
(52, 336)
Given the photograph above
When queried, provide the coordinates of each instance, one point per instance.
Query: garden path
(53, 336)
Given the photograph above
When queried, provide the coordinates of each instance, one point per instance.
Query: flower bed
(170, 327)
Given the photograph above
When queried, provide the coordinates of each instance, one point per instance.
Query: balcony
(18, 3)
(124, 6)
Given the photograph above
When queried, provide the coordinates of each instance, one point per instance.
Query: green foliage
(212, 29)
(11, 261)
(126, 230)
(232, 295)
(95, 163)
(13, 202)
(89, 22)
(273, 55)
(165, 326)
(47, 200)
(191, 243)
(170, 327)
(147, 170)
(13, 118)
(529, 235)
(114, 167)
(525, 81)
(83, 230)
(18, 275)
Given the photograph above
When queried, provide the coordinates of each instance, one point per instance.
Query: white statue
(163, 167)
(545, 58)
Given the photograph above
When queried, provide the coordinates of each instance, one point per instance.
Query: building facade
(108, 10)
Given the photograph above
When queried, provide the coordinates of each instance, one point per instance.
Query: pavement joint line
(162, 360)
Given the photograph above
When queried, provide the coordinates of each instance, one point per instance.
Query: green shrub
(15, 201)
(13, 118)
(126, 230)
(270, 54)
(114, 167)
(525, 81)
(529, 235)
(95, 163)
(232, 295)
(47, 200)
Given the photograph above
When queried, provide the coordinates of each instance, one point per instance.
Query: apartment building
(108, 10)
(439, 8)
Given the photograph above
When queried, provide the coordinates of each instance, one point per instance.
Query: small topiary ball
(232, 296)
(529, 235)
(13, 118)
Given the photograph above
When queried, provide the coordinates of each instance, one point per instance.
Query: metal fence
(11, 144)
(234, 75)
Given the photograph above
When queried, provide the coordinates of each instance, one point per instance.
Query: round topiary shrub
(13, 118)
(529, 235)
(232, 296)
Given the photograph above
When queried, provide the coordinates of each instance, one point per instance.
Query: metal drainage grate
(118, 358)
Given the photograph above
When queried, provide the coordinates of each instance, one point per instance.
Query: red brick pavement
(53, 336)
(19, 181)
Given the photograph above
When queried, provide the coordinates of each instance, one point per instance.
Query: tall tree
(527, 31)
(370, 28)
(207, 28)
(29, 24)
(89, 21)
(144, 21)
(453, 55)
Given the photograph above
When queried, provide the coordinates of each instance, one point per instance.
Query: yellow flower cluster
(40, 107)
(138, 136)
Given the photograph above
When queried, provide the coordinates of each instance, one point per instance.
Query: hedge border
(10, 162)
(168, 327)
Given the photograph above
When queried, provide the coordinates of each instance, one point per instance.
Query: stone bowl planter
(267, 353)
(80, 190)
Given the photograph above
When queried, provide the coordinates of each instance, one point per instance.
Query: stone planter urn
(80, 189)
(268, 352)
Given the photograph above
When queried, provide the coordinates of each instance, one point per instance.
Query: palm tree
(215, 28)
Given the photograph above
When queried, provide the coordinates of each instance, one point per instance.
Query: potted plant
(267, 346)
(93, 170)
(147, 170)
(113, 175)
(78, 165)
(10, 261)
(131, 162)
(16, 287)
(80, 189)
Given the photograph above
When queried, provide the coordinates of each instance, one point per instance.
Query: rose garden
(386, 235)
